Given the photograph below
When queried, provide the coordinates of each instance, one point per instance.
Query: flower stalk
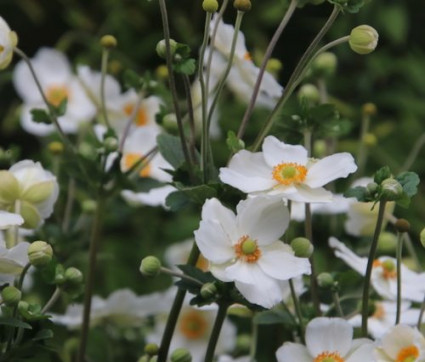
(221, 316)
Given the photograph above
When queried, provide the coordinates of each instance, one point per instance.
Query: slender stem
(22, 276)
(337, 303)
(104, 69)
(94, 245)
(414, 153)
(372, 252)
(254, 341)
(267, 55)
(68, 206)
(175, 311)
(215, 333)
(180, 275)
(192, 142)
(421, 314)
(297, 306)
(398, 256)
(55, 296)
(361, 152)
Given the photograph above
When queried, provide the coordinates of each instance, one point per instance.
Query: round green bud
(208, 290)
(369, 109)
(402, 225)
(371, 188)
(11, 295)
(181, 355)
(56, 147)
(162, 71)
(161, 48)
(422, 237)
(89, 206)
(23, 307)
(243, 342)
(387, 242)
(150, 266)
(391, 189)
(325, 280)
(169, 122)
(111, 144)
(151, 349)
(369, 139)
(363, 39)
(210, 6)
(73, 276)
(325, 64)
(40, 253)
(242, 5)
(87, 151)
(274, 66)
(108, 41)
(319, 148)
(302, 247)
(309, 93)
(143, 359)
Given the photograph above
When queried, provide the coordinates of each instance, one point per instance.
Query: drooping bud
(309, 93)
(242, 5)
(40, 253)
(161, 48)
(325, 64)
(151, 349)
(210, 6)
(325, 280)
(181, 355)
(208, 290)
(11, 295)
(402, 225)
(391, 189)
(150, 266)
(363, 39)
(302, 247)
(369, 109)
(108, 41)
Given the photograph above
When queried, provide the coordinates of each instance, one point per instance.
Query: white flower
(8, 41)
(8, 219)
(226, 358)
(58, 83)
(327, 339)
(401, 344)
(384, 274)
(244, 248)
(12, 261)
(178, 253)
(286, 171)
(384, 317)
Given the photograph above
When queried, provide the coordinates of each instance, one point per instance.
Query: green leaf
(43, 334)
(274, 317)
(14, 322)
(185, 66)
(234, 143)
(198, 194)
(403, 201)
(60, 109)
(382, 174)
(359, 192)
(176, 200)
(409, 181)
(171, 149)
(40, 116)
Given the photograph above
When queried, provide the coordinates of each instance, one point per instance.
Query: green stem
(421, 314)
(88, 291)
(180, 275)
(413, 153)
(254, 341)
(337, 303)
(219, 320)
(68, 206)
(372, 252)
(398, 256)
(55, 296)
(175, 311)
(192, 141)
(297, 307)
(104, 69)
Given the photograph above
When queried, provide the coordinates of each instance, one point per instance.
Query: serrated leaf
(40, 116)
(409, 181)
(358, 192)
(171, 149)
(14, 322)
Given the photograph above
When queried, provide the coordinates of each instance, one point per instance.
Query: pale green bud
(181, 355)
(309, 93)
(387, 242)
(151, 349)
(161, 48)
(319, 148)
(39, 192)
(11, 295)
(243, 342)
(325, 280)
(302, 247)
(274, 66)
(402, 225)
(40, 253)
(108, 41)
(422, 237)
(56, 147)
(369, 109)
(363, 39)
(73, 276)
(242, 5)
(150, 266)
(369, 139)
(169, 122)
(208, 290)
(210, 6)
(111, 144)
(391, 189)
(325, 64)
(23, 307)
(89, 206)
(9, 187)
(372, 187)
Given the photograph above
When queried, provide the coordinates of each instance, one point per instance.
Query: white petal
(249, 273)
(362, 353)
(8, 219)
(307, 194)
(276, 152)
(267, 293)
(354, 261)
(328, 334)
(291, 352)
(399, 337)
(154, 197)
(329, 169)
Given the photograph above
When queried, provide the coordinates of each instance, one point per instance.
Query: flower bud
(242, 5)
(369, 109)
(243, 342)
(73, 276)
(325, 64)
(302, 247)
(108, 41)
(151, 349)
(325, 280)
(371, 188)
(162, 72)
(387, 242)
(319, 148)
(274, 66)
(422, 237)
(370, 140)
(150, 266)
(210, 6)
(309, 93)
(181, 355)
(56, 147)
(363, 39)
(169, 122)
(161, 48)
(8, 41)
(40, 253)
(23, 307)
(89, 206)
(208, 290)
(111, 144)
(11, 295)
(391, 189)
(402, 225)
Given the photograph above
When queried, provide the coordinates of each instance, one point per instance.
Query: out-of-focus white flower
(12, 261)
(58, 83)
(8, 41)
(384, 317)
(327, 339)
(285, 170)
(178, 253)
(245, 248)
(384, 274)
(8, 219)
(401, 344)
(226, 358)
(29, 190)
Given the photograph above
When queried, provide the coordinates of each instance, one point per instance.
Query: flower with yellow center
(327, 340)
(8, 41)
(286, 171)
(245, 248)
(383, 278)
(401, 343)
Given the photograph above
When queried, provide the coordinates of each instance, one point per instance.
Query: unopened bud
(402, 225)
(369, 109)
(325, 280)
(73, 276)
(11, 295)
(242, 5)
(210, 6)
(150, 266)
(370, 140)
(161, 48)
(40, 253)
(309, 93)
(274, 66)
(169, 122)
(243, 342)
(56, 147)
(325, 64)
(387, 242)
(89, 206)
(23, 307)
(319, 148)
(371, 188)
(111, 144)
(162, 72)
(208, 290)
(363, 39)
(302, 247)
(151, 349)
(108, 41)
(391, 189)
(181, 355)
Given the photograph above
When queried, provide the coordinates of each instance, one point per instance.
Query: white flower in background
(245, 248)
(9, 219)
(327, 340)
(8, 41)
(384, 317)
(58, 83)
(12, 261)
(29, 190)
(384, 274)
(178, 253)
(226, 358)
(285, 170)
(401, 344)
(138, 144)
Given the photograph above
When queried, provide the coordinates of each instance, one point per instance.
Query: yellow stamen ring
(56, 94)
(289, 173)
(389, 270)
(247, 249)
(132, 158)
(141, 118)
(329, 357)
(193, 325)
(408, 354)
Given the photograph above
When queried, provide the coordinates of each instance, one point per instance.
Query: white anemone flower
(8, 41)
(12, 261)
(384, 274)
(245, 248)
(285, 170)
(401, 344)
(327, 339)
(384, 317)
(58, 83)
